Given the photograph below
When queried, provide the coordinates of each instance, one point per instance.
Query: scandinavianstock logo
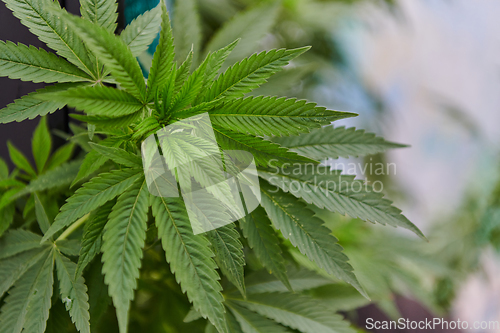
(184, 160)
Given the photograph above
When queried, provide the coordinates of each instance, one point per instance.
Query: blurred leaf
(59, 176)
(4, 169)
(20, 160)
(41, 216)
(60, 156)
(298, 312)
(186, 29)
(335, 142)
(250, 25)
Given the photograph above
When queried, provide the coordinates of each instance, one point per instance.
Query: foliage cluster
(272, 271)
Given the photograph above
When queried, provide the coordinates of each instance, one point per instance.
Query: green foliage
(187, 29)
(31, 106)
(41, 215)
(335, 142)
(41, 144)
(92, 195)
(252, 322)
(262, 150)
(250, 73)
(299, 280)
(57, 177)
(142, 31)
(92, 236)
(93, 160)
(101, 12)
(163, 57)
(73, 292)
(298, 312)
(262, 285)
(273, 116)
(28, 302)
(118, 155)
(20, 160)
(261, 238)
(190, 259)
(37, 65)
(340, 193)
(229, 254)
(60, 156)
(250, 26)
(313, 239)
(123, 240)
(17, 241)
(42, 19)
(97, 100)
(113, 52)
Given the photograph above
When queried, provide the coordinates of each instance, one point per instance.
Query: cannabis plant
(241, 277)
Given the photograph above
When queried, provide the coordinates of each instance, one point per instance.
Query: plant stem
(73, 227)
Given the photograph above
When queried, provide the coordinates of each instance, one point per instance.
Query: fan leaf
(120, 156)
(229, 254)
(263, 151)
(31, 106)
(92, 236)
(20, 160)
(163, 57)
(113, 52)
(17, 241)
(340, 193)
(28, 63)
(57, 177)
(252, 322)
(41, 215)
(214, 62)
(298, 312)
(14, 267)
(307, 233)
(97, 100)
(93, 160)
(273, 116)
(73, 293)
(190, 259)
(41, 144)
(250, 73)
(335, 142)
(300, 279)
(123, 240)
(27, 306)
(92, 195)
(41, 17)
(261, 237)
(101, 12)
(141, 32)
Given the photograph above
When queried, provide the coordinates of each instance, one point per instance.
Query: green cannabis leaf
(241, 277)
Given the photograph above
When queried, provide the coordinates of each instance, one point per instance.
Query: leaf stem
(73, 227)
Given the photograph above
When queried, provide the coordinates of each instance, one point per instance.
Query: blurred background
(421, 72)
